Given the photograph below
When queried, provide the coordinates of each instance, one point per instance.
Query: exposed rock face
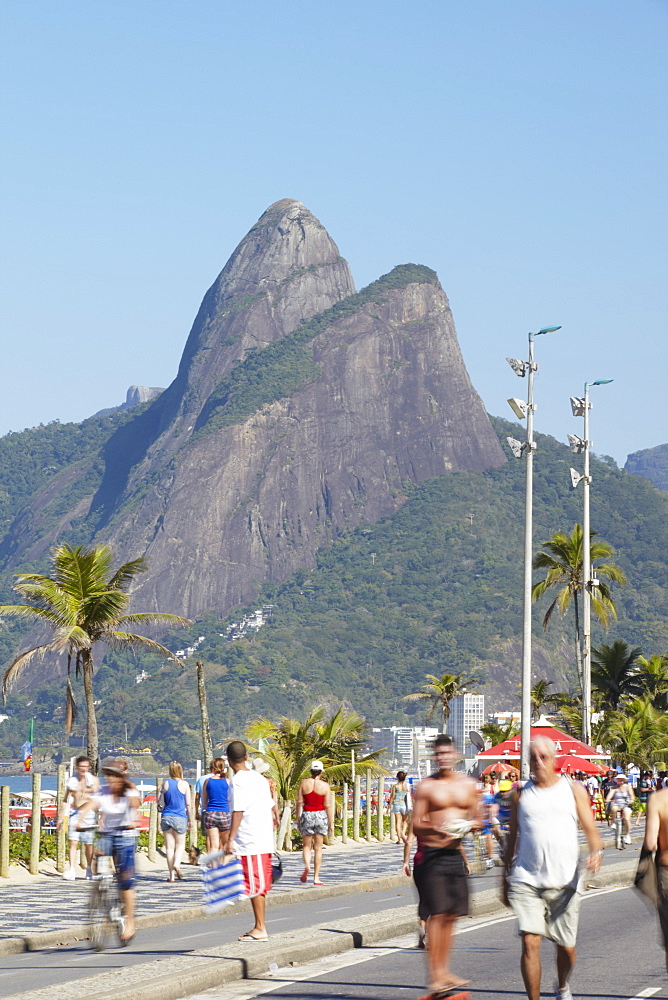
(138, 394)
(135, 396)
(651, 463)
(283, 272)
(220, 512)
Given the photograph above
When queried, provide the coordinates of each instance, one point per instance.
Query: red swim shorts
(257, 873)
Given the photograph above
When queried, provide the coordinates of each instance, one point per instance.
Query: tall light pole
(581, 408)
(526, 448)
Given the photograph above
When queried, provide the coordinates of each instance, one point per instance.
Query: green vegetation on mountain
(30, 459)
(436, 588)
(287, 365)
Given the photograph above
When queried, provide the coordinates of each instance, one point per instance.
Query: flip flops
(254, 937)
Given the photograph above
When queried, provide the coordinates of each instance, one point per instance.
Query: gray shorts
(552, 913)
(312, 823)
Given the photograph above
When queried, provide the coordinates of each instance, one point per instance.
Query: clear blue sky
(517, 147)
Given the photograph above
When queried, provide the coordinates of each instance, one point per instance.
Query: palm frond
(18, 665)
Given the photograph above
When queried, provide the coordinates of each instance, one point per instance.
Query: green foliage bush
(19, 847)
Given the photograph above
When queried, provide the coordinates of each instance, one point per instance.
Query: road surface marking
(386, 899)
(188, 937)
(649, 992)
(330, 909)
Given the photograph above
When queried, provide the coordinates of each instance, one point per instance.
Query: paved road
(618, 959)
(38, 970)
(61, 904)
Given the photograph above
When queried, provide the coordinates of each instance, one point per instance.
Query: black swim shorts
(441, 881)
(662, 902)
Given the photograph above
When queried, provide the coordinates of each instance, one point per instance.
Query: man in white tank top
(541, 865)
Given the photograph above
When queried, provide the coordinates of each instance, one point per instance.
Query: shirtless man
(445, 807)
(656, 839)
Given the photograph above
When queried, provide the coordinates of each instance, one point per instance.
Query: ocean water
(21, 783)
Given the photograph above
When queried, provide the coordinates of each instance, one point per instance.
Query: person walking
(251, 834)
(81, 823)
(216, 812)
(620, 800)
(315, 819)
(542, 862)
(400, 805)
(656, 840)
(177, 817)
(446, 807)
(199, 784)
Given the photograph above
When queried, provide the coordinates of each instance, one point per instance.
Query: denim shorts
(81, 836)
(121, 848)
(177, 823)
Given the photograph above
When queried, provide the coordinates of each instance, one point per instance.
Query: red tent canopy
(499, 768)
(570, 763)
(510, 749)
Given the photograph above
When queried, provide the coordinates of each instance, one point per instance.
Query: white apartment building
(467, 712)
(411, 744)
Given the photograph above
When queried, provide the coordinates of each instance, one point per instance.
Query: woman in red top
(315, 818)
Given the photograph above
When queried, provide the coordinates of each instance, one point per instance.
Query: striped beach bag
(222, 880)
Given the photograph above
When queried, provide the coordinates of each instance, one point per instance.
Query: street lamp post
(581, 408)
(526, 448)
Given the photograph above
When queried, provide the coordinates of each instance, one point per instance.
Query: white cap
(317, 765)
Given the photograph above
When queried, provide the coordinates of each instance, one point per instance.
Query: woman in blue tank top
(216, 815)
(174, 803)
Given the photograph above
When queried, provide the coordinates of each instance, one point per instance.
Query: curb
(214, 967)
(78, 932)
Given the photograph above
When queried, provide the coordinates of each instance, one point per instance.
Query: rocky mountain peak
(286, 270)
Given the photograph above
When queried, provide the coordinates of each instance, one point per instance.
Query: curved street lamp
(526, 448)
(581, 446)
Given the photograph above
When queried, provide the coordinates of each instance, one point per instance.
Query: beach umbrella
(570, 763)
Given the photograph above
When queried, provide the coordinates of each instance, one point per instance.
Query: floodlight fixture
(575, 478)
(576, 444)
(516, 446)
(519, 367)
(577, 406)
(519, 407)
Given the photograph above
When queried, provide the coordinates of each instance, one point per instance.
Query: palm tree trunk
(91, 724)
(204, 712)
(578, 640)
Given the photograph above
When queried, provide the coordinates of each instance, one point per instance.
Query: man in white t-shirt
(81, 826)
(251, 836)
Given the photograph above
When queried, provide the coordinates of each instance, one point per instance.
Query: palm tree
(499, 734)
(562, 559)
(637, 734)
(83, 603)
(652, 677)
(540, 696)
(440, 691)
(291, 744)
(614, 672)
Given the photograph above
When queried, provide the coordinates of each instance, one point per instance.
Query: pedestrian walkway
(59, 904)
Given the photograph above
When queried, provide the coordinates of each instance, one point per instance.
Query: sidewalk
(46, 903)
